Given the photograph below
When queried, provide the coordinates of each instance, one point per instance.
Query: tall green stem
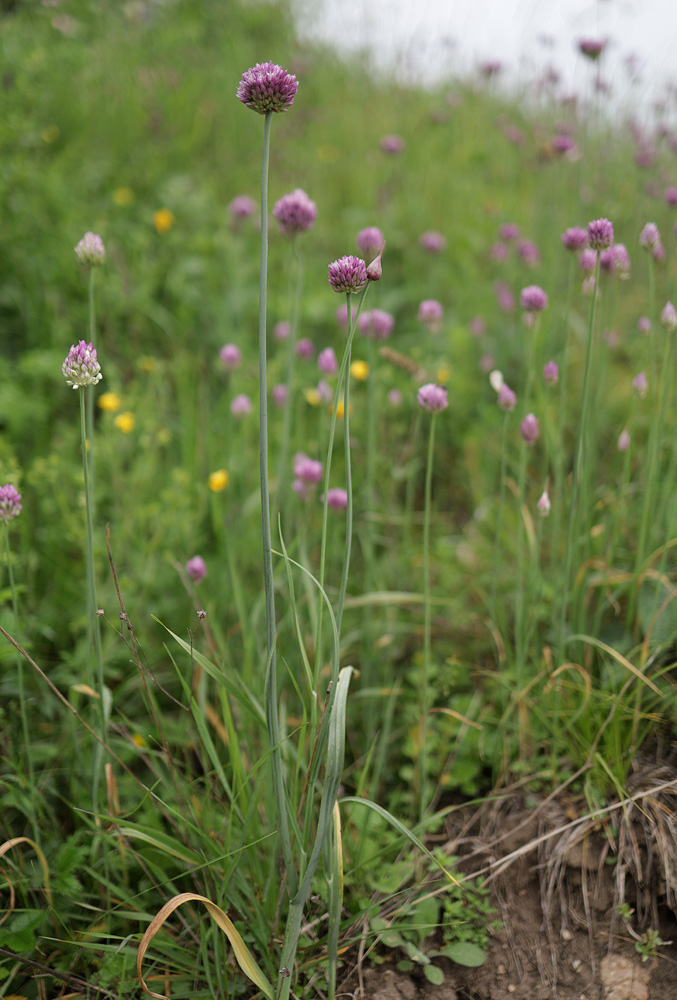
(283, 472)
(422, 756)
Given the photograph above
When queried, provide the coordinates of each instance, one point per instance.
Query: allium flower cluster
(432, 397)
(242, 207)
(533, 299)
(529, 429)
(551, 373)
(282, 330)
(600, 234)
(10, 502)
(81, 367)
(650, 238)
(509, 231)
(430, 312)
(392, 144)
(295, 213)
(196, 569)
(90, 251)
(669, 316)
(670, 195)
(241, 406)
(623, 443)
(504, 297)
(376, 324)
(543, 504)
(326, 361)
(640, 385)
(644, 324)
(279, 394)
(591, 48)
(231, 355)
(529, 253)
(369, 242)
(615, 260)
(575, 238)
(507, 399)
(432, 241)
(348, 274)
(337, 498)
(307, 474)
(305, 348)
(267, 87)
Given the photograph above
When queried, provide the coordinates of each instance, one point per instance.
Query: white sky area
(434, 40)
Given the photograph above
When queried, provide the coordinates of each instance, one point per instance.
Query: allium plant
(369, 241)
(295, 213)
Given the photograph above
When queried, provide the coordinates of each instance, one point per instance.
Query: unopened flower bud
(375, 270)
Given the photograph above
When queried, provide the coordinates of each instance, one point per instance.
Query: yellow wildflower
(138, 741)
(125, 422)
(123, 196)
(442, 376)
(340, 409)
(312, 397)
(359, 370)
(163, 220)
(110, 402)
(218, 480)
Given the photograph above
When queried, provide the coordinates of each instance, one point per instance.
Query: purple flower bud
(392, 144)
(267, 87)
(369, 242)
(196, 569)
(281, 330)
(620, 260)
(543, 504)
(507, 399)
(504, 297)
(242, 207)
(551, 373)
(658, 253)
(498, 251)
(375, 269)
(348, 274)
(326, 361)
(509, 231)
(430, 313)
(432, 241)
(305, 348)
(324, 391)
(640, 384)
(337, 498)
(241, 406)
(563, 144)
(295, 213)
(394, 397)
(231, 355)
(376, 324)
(308, 470)
(650, 238)
(600, 234)
(279, 394)
(644, 324)
(10, 502)
(529, 429)
(81, 367)
(90, 251)
(575, 238)
(529, 252)
(588, 261)
(591, 48)
(669, 316)
(623, 443)
(432, 397)
(533, 299)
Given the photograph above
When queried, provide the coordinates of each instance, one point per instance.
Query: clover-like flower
(295, 213)
(600, 234)
(81, 367)
(348, 274)
(432, 397)
(90, 251)
(267, 87)
(10, 502)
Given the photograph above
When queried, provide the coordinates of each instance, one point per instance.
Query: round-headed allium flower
(81, 367)
(231, 355)
(218, 480)
(588, 286)
(281, 330)
(430, 312)
(295, 213)
(196, 569)
(308, 470)
(241, 406)
(669, 316)
(529, 252)
(376, 324)
(392, 144)
(644, 324)
(504, 297)
(591, 48)
(242, 207)
(543, 504)
(600, 234)
(348, 274)
(394, 397)
(640, 384)
(498, 251)
(623, 443)
(588, 261)
(620, 260)
(432, 397)
(337, 498)
(551, 373)
(650, 238)
(305, 348)
(267, 87)
(507, 399)
(10, 502)
(563, 144)
(658, 253)
(670, 195)
(279, 394)
(533, 299)
(90, 251)
(326, 361)
(575, 238)
(509, 231)
(369, 241)
(432, 241)
(477, 326)
(529, 429)
(645, 155)
(324, 391)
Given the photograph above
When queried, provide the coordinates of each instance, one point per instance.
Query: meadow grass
(490, 604)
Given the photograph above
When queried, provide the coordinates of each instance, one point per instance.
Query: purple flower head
(337, 498)
(81, 367)
(620, 260)
(640, 384)
(432, 241)
(645, 155)
(394, 397)
(658, 253)
(324, 391)
(477, 326)
(342, 316)
(326, 361)
(295, 213)
(282, 330)
(575, 238)
(504, 297)
(267, 87)
(529, 252)
(507, 399)
(307, 469)
(591, 48)
(650, 238)
(588, 261)
(551, 373)
(392, 144)
(279, 394)
(563, 144)
(498, 251)
(241, 406)
(623, 443)
(432, 397)
(543, 504)
(509, 231)
(196, 569)
(90, 251)
(644, 324)
(670, 195)
(231, 355)
(375, 269)
(669, 316)
(348, 274)
(305, 348)
(600, 234)
(10, 502)
(588, 286)
(369, 241)
(376, 324)
(430, 313)
(606, 260)
(242, 207)
(533, 299)
(529, 429)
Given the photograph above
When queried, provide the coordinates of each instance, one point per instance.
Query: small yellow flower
(123, 196)
(110, 402)
(163, 220)
(125, 422)
(218, 480)
(359, 370)
(340, 409)
(147, 365)
(312, 397)
(442, 375)
(51, 134)
(138, 741)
